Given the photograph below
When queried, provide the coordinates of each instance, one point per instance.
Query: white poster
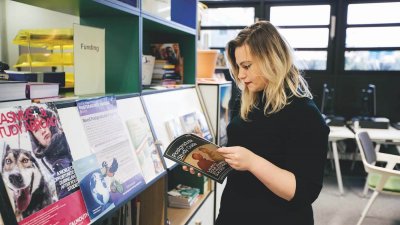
(113, 161)
(89, 60)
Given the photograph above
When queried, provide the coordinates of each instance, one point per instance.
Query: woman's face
(43, 136)
(197, 156)
(249, 72)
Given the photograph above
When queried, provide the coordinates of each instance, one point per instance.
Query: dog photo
(26, 186)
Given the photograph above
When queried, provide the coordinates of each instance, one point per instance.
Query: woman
(50, 146)
(277, 141)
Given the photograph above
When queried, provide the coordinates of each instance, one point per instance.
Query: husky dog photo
(34, 152)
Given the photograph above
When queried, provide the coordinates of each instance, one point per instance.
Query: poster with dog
(36, 166)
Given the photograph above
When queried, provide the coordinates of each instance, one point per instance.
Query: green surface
(393, 183)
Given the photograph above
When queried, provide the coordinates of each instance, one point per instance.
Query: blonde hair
(273, 55)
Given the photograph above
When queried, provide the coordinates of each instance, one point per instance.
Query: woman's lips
(47, 136)
(247, 83)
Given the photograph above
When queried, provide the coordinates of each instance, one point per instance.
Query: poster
(37, 168)
(225, 95)
(112, 152)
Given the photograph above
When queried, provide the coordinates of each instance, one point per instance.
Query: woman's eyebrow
(244, 62)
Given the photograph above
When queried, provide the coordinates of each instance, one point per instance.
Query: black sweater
(294, 139)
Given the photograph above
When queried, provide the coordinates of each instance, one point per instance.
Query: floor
(332, 209)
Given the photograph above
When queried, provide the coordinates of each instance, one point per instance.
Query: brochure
(199, 153)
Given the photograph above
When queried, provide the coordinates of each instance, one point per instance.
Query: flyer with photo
(200, 154)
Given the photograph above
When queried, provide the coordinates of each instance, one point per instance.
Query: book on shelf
(136, 204)
(164, 72)
(182, 196)
(168, 64)
(200, 154)
(12, 90)
(55, 99)
(179, 176)
(42, 185)
(41, 90)
(46, 77)
(147, 69)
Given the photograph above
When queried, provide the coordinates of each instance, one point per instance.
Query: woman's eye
(246, 67)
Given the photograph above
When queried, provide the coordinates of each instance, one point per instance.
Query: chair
(380, 179)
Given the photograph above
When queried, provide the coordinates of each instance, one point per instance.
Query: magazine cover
(109, 141)
(36, 166)
(194, 151)
(169, 52)
(196, 123)
(174, 128)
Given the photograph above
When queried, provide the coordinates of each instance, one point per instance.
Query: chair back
(366, 147)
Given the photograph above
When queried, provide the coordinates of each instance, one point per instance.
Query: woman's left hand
(239, 158)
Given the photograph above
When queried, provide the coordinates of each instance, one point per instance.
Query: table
(337, 134)
(382, 136)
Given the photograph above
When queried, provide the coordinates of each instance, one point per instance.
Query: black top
(295, 139)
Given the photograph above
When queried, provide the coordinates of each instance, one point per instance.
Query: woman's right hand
(191, 170)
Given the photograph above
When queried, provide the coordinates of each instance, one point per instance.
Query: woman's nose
(242, 74)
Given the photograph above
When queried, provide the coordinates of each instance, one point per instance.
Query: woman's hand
(191, 170)
(237, 157)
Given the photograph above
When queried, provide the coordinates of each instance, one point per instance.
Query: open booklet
(194, 151)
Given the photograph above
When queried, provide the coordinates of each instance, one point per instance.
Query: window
(306, 28)
(218, 38)
(220, 25)
(372, 42)
(228, 16)
(328, 37)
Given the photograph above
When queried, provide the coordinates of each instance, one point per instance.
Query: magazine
(36, 166)
(112, 156)
(174, 128)
(194, 151)
(145, 149)
(195, 122)
(182, 196)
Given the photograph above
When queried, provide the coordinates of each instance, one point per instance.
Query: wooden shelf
(182, 216)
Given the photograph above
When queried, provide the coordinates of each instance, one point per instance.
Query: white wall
(21, 16)
(2, 30)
